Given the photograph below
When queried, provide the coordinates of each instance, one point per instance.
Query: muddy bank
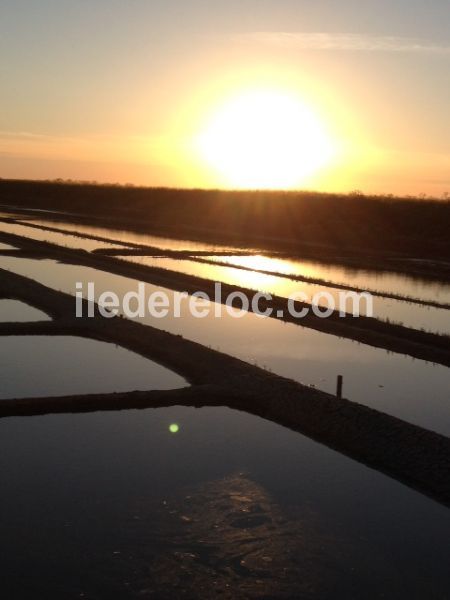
(410, 454)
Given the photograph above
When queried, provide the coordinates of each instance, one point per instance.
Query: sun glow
(265, 139)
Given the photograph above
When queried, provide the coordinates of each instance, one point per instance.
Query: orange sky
(158, 94)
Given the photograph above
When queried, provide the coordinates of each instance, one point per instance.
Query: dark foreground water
(114, 505)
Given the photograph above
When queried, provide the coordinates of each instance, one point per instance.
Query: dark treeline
(414, 227)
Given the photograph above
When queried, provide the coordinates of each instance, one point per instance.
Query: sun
(264, 139)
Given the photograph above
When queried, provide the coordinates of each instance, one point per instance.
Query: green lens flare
(174, 428)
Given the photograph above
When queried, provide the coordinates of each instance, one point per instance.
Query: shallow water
(129, 237)
(416, 316)
(61, 239)
(385, 282)
(62, 365)
(12, 207)
(14, 311)
(82, 499)
(394, 283)
(6, 247)
(395, 311)
(413, 390)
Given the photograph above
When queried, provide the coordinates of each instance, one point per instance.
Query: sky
(328, 95)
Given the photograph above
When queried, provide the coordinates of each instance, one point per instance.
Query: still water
(381, 281)
(99, 506)
(413, 390)
(390, 283)
(61, 239)
(32, 366)
(6, 247)
(141, 239)
(14, 311)
(396, 311)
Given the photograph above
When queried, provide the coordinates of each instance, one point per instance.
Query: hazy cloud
(342, 41)
(27, 136)
(21, 135)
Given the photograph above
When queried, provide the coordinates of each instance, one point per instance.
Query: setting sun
(224, 299)
(264, 139)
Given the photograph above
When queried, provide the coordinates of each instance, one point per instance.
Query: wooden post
(339, 387)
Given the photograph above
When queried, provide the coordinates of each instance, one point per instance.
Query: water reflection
(391, 283)
(144, 239)
(387, 282)
(414, 390)
(395, 311)
(61, 239)
(15, 311)
(61, 366)
(394, 283)
(6, 247)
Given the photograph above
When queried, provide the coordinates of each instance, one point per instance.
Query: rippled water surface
(102, 506)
